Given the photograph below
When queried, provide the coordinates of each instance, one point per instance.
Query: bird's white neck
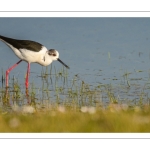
(45, 60)
(47, 57)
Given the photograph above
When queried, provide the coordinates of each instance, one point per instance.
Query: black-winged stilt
(31, 52)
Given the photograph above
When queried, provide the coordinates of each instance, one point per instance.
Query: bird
(30, 52)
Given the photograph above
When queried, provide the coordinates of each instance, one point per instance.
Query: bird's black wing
(23, 44)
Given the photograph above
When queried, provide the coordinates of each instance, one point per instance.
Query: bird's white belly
(26, 55)
(29, 56)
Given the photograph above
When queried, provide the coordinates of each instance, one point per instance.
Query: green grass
(69, 120)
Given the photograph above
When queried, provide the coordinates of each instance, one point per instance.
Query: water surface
(99, 51)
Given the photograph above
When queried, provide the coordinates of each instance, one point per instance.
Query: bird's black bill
(63, 63)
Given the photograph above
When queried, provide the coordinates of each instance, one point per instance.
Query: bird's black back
(23, 44)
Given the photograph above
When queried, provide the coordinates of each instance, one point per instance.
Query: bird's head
(54, 54)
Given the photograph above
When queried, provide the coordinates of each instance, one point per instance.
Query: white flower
(84, 109)
(61, 109)
(28, 109)
(91, 110)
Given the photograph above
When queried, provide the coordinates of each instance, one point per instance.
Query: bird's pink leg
(27, 76)
(8, 71)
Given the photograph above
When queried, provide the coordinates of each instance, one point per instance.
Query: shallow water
(99, 51)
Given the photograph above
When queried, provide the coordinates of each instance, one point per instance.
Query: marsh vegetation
(69, 104)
